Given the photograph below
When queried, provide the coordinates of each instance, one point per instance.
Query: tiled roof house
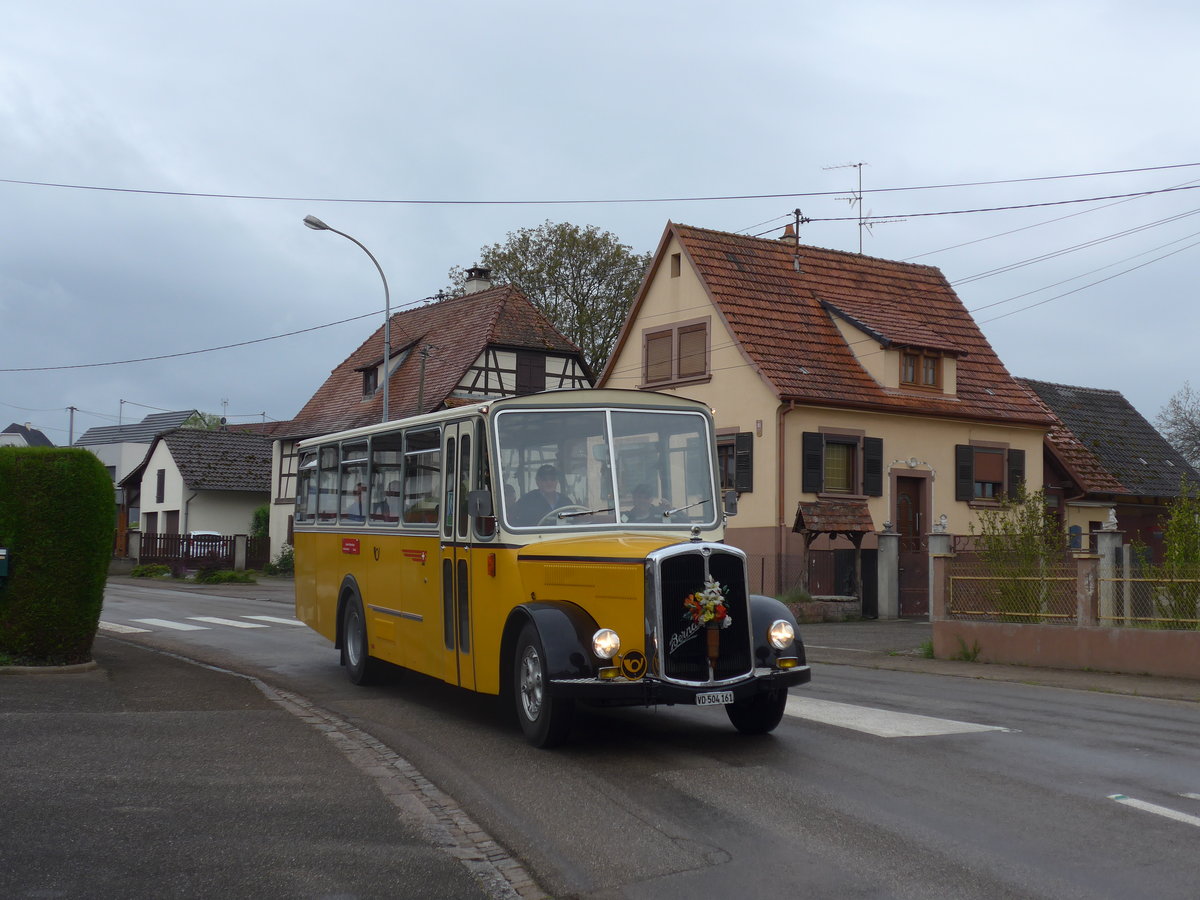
(192, 479)
(490, 342)
(836, 378)
(26, 436)
(1102, 454)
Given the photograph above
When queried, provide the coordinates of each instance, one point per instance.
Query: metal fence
(1162, 603)
(983, 591)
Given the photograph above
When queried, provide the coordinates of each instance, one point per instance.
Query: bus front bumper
(651, 691)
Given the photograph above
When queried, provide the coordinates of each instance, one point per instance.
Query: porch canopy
(849, 518)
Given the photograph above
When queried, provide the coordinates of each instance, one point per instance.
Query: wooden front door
(914, 547)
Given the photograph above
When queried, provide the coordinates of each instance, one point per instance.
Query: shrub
(224, 576)
(57, 521)
(150, 570)
(260, 521)
(284, 564)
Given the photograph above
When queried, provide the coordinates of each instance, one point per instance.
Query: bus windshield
(589, 467)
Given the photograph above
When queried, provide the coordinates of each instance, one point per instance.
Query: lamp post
(317, 225)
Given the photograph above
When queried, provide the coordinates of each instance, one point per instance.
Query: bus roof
(566, 399)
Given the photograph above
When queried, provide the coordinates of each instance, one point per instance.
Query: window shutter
(658, 357)
(964, 472)
(693, 351)
(743, 460)
(873, 467)
(1016, 470)
(812, 472)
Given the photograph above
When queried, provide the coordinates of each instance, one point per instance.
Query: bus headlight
(781, 634)
(605, 643)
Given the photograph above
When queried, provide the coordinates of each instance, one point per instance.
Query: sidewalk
(897, 645)
(152, 776)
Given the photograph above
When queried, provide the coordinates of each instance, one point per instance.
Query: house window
(676, 265)
(920, 369)
(370, 382)
(735, 459)
(842, 464)
(987, 473)
(531, 372)
(160, 486)
(678, 353)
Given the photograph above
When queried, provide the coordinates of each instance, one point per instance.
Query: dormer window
(921, 369)
(370, 382)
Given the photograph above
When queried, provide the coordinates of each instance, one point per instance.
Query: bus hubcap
(531, 683)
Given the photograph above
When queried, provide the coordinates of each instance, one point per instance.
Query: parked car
(205, 545)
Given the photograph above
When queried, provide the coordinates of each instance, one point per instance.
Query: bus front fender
(566, 633)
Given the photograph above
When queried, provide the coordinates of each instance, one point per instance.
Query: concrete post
(941, 544)
(1087, 567)
(240, 542)
(888, 564)
(937, 587)
(133, 547)
(1108, 547)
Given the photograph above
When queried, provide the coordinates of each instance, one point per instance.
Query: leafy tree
(1179, 422)
(582, 278)
(203, 422)
(1019, 543)
(260, 521)
(1177, 593)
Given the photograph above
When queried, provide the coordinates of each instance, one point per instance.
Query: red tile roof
(833, 517)
(458, 330)
(782, 319)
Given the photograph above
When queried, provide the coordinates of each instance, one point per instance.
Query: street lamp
(317, 225)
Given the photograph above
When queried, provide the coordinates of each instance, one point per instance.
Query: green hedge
(57, 522)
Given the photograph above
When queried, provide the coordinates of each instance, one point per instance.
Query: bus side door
(458, 455)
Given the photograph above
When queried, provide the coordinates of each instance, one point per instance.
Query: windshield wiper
(584, 512)
(670, 512)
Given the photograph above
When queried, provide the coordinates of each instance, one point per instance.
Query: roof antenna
(800, 218)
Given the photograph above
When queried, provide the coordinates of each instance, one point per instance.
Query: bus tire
(356, 655)
(544, 719)
(759, 714)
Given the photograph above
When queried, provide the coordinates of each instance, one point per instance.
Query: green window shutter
(964, 472)
(873, 467)
(812, 472)
(743, 457)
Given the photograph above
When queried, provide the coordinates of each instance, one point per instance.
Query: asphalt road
(881, 782)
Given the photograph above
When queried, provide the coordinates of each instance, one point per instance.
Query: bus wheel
(758, 714)
(544, 719)
(355, 650)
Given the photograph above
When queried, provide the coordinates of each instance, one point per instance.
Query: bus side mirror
(731, 499)
(479, 504)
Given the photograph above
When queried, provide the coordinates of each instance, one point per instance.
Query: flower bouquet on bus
(707, 608)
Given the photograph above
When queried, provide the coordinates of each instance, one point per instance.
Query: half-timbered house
(490, 342)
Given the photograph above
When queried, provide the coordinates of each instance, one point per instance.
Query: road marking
(230, 622)
(177, 626)
(274, 619)
(1190, 796)
(122, 629)
(1164, 811)
(879, 722)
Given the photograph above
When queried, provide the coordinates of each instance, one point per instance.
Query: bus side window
(422, 476)
(387, 495)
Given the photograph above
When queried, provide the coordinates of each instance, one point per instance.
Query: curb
(76, 669)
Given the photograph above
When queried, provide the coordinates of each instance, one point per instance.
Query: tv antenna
(855, 200)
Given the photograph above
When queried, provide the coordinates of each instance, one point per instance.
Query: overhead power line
(583, 200)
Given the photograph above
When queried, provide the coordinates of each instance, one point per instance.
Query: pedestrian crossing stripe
(119, 628)
(879, 722)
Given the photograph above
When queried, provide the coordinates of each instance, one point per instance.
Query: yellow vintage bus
(555, 549)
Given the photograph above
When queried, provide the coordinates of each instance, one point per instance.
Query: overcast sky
(541, 101)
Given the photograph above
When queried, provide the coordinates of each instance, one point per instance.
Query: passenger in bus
(644, 509)
(531, 508)
(355, 504)
(386, 508)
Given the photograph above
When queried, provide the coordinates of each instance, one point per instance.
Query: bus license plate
(714, 698)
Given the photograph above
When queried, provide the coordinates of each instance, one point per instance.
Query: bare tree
(584, 280)
(1179, 422)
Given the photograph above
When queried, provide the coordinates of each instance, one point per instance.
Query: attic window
(921, 369)
(678, 353)
(370, 382)
(676, 265)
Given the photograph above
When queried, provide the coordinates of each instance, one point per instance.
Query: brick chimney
(790, 236)
(479, 278)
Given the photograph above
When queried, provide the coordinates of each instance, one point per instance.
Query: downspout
(186, 515)
(780, 473)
